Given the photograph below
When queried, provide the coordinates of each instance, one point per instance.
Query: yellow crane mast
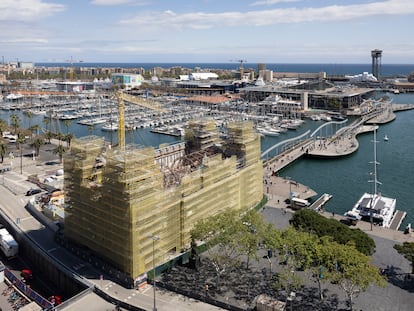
(121, 97)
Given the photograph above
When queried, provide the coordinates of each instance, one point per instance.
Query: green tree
(60, 150)
(250, 233)
(351, 270)
(3, 150)
(407, 250)
(219, 231)
(287, 246)
(310, 221)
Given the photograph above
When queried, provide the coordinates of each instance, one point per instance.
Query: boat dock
(397, 219)
(319, 203)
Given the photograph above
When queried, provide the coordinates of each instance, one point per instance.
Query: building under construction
(118, 198)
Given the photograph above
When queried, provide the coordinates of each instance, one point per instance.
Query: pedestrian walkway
(278, 192)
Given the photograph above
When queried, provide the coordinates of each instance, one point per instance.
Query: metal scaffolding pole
(154, 238)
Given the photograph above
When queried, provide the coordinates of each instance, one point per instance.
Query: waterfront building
(114, 209)
(275, 104)
(129, 81)
(74, 86)
(318, 95)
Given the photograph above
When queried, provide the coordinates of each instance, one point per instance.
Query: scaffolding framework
(114, 210)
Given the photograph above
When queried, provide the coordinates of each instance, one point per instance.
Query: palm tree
(67, 124)
(36, 145)
(34, 128)
(15, 121)
(49, 136)
(68, 139)
(30, 116)
(3, 126)
(47, 122)
(3, 150)
(61, 137)
(60, 150)
(21, 139)
(90, 128)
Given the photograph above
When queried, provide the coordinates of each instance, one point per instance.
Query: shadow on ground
(238, 288)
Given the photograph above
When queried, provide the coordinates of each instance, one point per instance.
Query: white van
(297, 203)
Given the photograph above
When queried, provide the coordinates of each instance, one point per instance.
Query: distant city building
(266, 75)
(129, 81)
(74, 86)
(25, 65)
(203, 76)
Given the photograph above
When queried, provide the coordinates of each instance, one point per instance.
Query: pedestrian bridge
(326, 130)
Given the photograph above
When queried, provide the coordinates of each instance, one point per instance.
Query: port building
(127, 81)
(113, 209)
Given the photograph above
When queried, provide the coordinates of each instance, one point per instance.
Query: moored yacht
(374, 208)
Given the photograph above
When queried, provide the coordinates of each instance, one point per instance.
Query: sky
(207, 31)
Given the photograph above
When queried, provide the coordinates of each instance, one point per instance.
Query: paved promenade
(279, 191)
(397, 295)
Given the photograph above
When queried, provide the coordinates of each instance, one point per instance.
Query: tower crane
(241, 61)
(71, 61)
(121, 97)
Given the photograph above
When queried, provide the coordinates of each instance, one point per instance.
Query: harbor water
(346, 179)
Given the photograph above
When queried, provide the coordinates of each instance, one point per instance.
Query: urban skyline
(271, 31)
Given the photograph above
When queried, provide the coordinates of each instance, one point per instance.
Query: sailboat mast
(375, 181)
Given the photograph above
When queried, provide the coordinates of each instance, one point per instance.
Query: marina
(148, 126)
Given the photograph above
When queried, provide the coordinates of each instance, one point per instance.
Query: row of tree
(230, 238)
(36, 139)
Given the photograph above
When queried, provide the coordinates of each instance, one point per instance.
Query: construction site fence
(261, 204)
(89, 256)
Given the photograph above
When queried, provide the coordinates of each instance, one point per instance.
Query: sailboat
(386, 137)
(374, 207)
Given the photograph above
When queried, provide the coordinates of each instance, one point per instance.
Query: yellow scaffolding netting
(113, 210)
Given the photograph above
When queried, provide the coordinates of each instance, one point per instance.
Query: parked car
(27, 274)
(33, 191)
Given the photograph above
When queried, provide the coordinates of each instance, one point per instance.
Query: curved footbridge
(331, 139)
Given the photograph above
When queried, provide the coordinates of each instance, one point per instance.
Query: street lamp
(290, 186)
(154, 238)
